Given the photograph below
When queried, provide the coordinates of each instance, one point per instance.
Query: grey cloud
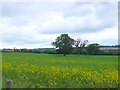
(105, 14)
(12, 9)
(74, 26)
(12, 38)
(50, 19)
(25, 13)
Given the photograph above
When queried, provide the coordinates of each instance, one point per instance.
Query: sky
(38, 24)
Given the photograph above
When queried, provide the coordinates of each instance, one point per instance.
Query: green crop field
(30, 70)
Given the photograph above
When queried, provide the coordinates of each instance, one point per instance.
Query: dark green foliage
(64, 44)
(93, 49)
(59, 51)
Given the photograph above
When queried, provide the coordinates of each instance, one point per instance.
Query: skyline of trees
(64, 44)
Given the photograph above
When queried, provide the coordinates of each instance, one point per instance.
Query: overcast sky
(37, 24)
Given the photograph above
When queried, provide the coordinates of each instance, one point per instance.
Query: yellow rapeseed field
(56, 71)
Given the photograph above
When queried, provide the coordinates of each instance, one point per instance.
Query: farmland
(30, 70)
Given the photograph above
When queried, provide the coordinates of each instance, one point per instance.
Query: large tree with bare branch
(79, 44)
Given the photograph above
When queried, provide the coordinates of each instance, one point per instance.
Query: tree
(63, 43)
(79, 44)
(93, 49)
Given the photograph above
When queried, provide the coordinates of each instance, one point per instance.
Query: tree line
(64, 44)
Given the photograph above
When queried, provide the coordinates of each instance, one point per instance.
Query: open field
(30, 70)
(110, 48)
